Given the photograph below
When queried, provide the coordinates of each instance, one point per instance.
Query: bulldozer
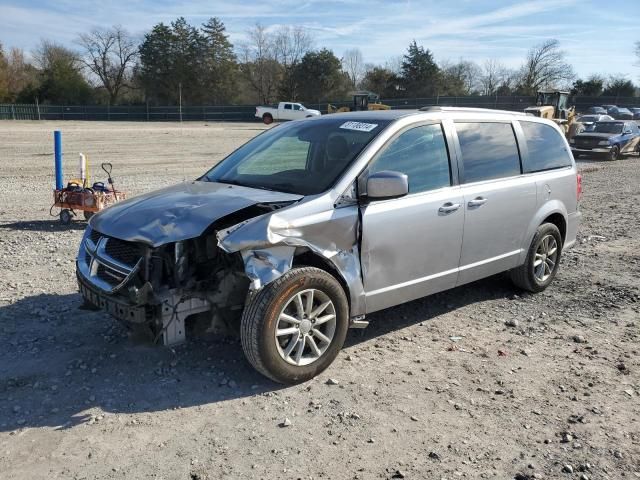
(554, 105)
(362, 101)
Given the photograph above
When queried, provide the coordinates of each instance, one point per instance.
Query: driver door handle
(449, 207)
(477, 202)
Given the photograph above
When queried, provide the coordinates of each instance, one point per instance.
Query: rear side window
(489, 150)
(547, 149)
(287, 106)
(421, 154)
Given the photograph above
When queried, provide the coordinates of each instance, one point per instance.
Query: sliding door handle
(477, 202)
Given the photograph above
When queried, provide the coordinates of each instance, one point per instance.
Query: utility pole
(180, 99)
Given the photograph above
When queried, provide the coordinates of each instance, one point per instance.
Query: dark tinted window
(489, 150)
(287, 106)
(421, 153)
(608, 127)
(298, 157)
(546, 147)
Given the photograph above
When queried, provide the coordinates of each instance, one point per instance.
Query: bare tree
(353, 65)
(637, 50)
(110, 55)
(394, 64)
(20, 72)
(48, 53)
(260, 65)
(492, 76)
(545, 66)
(290, 45)
(465, 73)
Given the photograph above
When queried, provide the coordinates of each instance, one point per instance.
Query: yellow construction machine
(362, 101)
(554, 105)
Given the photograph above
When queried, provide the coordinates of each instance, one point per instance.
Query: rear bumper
(573, 222)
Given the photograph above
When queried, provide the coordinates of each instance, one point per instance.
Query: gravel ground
(479, 382)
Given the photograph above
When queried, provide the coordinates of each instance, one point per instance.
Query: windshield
(608, 127)
(304, 157)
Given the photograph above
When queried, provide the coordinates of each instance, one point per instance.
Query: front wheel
(294, 327)
(614, 154)
(65, 216)
(267, 118)
(543, 259)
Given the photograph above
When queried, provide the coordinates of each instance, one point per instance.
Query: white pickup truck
(285, 111)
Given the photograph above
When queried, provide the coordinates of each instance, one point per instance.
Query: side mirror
(627, 132)
(387, 184)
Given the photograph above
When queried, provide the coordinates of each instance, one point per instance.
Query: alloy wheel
(546, 258)
(305, 327)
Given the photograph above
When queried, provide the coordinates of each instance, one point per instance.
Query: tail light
(579, 186)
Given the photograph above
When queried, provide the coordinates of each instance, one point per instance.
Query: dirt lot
(438, 388)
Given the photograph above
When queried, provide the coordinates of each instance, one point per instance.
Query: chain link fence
(245, 113)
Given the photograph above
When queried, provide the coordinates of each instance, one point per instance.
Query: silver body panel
(385, 252)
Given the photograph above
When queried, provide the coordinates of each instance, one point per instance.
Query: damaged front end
(159, 286)
(140, 276)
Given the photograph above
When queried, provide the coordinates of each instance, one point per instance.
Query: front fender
(269, 243)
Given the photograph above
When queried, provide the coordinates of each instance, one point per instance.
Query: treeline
(198, 65)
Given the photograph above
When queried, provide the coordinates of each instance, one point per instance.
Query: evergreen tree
(220, 62)
(420, 74)
(179, 57)
(319, 76)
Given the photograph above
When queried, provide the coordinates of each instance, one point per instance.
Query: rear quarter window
(547, 149)
(489, 150)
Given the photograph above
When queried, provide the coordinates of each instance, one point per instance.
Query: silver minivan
(307, 228)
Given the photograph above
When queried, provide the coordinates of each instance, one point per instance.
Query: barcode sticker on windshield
(359, 126)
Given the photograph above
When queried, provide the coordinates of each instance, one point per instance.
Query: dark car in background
(613, 139)
(636, 113)
(586, 123)
(621, 113)
(597, 111)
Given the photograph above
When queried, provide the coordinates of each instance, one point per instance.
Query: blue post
(57, 148)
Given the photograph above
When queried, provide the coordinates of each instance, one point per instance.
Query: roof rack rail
(437, 108)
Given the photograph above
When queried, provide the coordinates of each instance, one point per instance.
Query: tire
(614, 154)
(65, 216)
(264, 313)
(87, 215)
(267, 118)
(526, 276)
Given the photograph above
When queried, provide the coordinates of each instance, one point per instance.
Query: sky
(598, 36)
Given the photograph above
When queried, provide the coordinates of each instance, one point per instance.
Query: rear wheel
(543, 259)
(87, 215)
(294, 327)
(267, 118)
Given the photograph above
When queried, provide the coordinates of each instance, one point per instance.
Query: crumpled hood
(179, 212)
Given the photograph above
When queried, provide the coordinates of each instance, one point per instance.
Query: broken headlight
(180, 261)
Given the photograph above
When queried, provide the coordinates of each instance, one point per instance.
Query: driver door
(411, 245)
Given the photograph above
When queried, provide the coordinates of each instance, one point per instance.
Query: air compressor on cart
(79, 195)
